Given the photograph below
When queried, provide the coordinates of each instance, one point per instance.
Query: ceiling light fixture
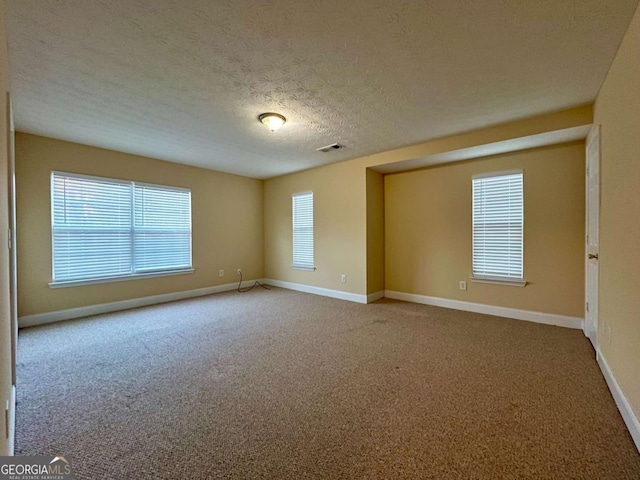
(273, 121)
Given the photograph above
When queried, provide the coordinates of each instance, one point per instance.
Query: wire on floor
(255, 284)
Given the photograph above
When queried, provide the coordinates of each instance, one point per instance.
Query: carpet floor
(285, 385)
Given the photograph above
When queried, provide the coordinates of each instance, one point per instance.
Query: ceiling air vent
(328, 148)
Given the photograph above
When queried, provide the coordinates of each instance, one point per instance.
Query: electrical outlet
(343, 278)
(463, 285)
(239, 271)
(221, 273)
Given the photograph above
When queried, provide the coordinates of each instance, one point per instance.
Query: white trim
(500, 173)
(626, 410)
(528, 315)
(59, 315)
(305, 268)
(121, 278)
(325, 292)
(544, 139)
(499, 281)
(12, 422)
(372, 297)
(302, 193)
(117, 180)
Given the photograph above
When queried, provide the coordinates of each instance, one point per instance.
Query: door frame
(592, 299)
(13, 259)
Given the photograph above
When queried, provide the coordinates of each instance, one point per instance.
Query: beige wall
(227, 217)
(340, 201)
(375, 232)
(339, 227)
(617, 109)
(428, 231)
(5, 325)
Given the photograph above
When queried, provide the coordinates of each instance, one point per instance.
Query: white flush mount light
(273, 121)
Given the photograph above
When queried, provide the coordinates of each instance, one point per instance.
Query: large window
(303, 231)
(498, 221)
(106, 229)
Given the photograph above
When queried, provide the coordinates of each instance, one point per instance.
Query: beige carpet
(285, 385)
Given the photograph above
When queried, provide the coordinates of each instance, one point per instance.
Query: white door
(592, 235)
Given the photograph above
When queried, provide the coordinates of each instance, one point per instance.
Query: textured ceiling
(184, 80)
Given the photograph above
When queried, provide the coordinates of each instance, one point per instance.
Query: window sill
(304, 268)
(499, 281)
(123, 278)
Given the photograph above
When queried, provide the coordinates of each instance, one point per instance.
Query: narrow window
(303, 231)
(498, 221)
(104, 229)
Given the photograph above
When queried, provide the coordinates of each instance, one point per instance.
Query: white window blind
(498, 221)
(162, 228)
(104, 229)
(303, 231)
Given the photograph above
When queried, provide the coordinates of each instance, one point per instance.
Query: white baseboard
(372, 297)
(528, 315)
(325, 292)
(59, 315)
(626, 410)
